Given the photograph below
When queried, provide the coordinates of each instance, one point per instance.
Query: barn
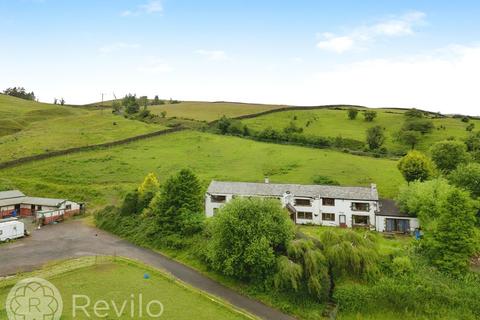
(15, 202)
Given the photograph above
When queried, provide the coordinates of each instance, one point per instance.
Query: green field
(29, 128)
(124, 278)
(333, 123)
(100, 176)
(209, 111)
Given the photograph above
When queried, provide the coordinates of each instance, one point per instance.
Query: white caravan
(11, 229)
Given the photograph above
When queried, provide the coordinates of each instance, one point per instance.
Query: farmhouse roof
(300, 190)
(389, 208)
(11, 194)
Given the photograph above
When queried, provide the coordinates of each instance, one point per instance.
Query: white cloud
(155, 65)
(338, 44)
(394, 26)
(443, 81)
(213, 54)
(118, 46)
(153, 6)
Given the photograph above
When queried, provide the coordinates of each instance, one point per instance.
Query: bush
(447, 155)
(416, 166)
(247, 234)
(467, 176)
(402, 266)
(324, 180)
(369, 115)
(352, 113)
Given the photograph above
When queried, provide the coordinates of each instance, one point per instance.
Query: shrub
(416, 166)
(324, 180)
(352, 113)
(375, 137)
(447, 155)
(369, 115)
(467, 176)
(402, 266)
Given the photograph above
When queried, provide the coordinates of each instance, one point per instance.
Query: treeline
(291, 134)
(20, 92)
(135, 107)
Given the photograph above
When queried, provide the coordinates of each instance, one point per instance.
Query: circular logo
(34, 299)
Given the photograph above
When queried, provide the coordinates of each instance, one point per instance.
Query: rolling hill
(29, 128)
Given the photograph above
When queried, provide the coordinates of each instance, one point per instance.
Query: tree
(369, 115)
(143, 101)
(409, 137)
(418, 124)
(414, 113)
(55, 101)
(156, 100)
(130, 205)
(147, 190)
(375, 137)
(304, 269)
(473, 142)
(116, 107)
(447, 155)
(292, 128)
(416, 166)
(467, 176)
(19, 92)
(424, 199)
(131, 104)
(62, 101)
(470, 127)
(247, 235)
(223, 124)
(352, 113)
(163, 113)
(179, 206)
(451, 242)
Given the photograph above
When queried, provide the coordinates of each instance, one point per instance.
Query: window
(39, 208)
(328, 216)
(397, 225)
(328, 201)
(360, 220)
(219, 199)
(304, 215)
(303, 202)
(360, 206)
(68, 207)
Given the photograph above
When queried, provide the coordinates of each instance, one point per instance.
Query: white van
(11, 229)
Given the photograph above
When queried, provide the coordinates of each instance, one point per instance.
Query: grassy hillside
(28, 127)
(332, 123)
(126, 277)
(100, 176)
(209, 111)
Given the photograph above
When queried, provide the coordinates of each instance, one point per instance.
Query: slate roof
(389, 208)
(43, 201)
(299, 190)
(11, 194)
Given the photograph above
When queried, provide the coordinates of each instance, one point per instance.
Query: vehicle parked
(11, 229)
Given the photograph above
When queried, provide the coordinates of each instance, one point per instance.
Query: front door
(343, 220)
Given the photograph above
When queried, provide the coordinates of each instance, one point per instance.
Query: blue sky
(423, 54)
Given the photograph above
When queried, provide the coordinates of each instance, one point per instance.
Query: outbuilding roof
(300, 190)
(11, 194)
(31, 200)
(389, 208)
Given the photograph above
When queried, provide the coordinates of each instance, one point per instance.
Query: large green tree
(178, 207)
(247, 235)
(450, 244)
(147, 190)
(447, 155)
(416, 166)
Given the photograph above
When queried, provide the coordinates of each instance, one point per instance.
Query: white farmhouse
(315, 204)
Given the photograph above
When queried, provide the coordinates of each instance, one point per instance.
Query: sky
(395, 53)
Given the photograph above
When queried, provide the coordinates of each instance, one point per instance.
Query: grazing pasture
(101, 176)
(29, 128)
(332, 123)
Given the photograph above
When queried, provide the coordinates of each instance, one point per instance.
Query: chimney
(267, 180)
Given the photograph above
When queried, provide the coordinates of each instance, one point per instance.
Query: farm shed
(16, 201)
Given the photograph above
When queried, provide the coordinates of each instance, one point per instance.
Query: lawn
(29, 128)
(332, 123)
(116, 280)
(101, 176)
(209, 111)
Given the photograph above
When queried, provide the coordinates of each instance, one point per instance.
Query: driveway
(73, 239)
